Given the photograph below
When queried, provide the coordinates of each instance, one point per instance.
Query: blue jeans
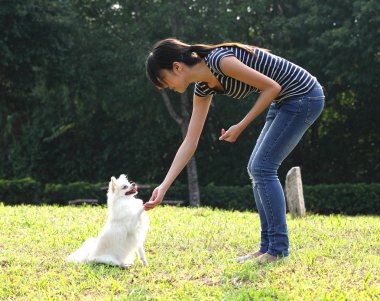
(285, 125)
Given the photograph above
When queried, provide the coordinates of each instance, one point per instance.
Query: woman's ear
(177, 66)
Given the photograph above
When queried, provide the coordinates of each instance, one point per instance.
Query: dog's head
(121, 187)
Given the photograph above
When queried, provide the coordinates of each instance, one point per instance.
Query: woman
(295, 98)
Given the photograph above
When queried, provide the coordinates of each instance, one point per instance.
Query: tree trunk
(191, 167)
(192, 183)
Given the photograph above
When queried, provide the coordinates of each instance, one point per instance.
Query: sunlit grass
(190, 254)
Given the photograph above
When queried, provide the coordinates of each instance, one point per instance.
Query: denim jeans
(285, 125)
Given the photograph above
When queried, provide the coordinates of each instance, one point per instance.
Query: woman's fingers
(231, 134)
(223, 134)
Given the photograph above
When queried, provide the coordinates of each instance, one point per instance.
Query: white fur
(124, 233)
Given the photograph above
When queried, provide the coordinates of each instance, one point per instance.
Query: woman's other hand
(231, 134)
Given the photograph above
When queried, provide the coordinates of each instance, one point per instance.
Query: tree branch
(170, 108)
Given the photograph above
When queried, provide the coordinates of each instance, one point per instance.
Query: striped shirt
(293, 79)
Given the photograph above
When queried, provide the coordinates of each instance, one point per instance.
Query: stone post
(294, 193)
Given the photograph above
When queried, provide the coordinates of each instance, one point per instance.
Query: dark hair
(167, 51)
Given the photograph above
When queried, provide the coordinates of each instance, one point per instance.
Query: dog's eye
(125, 187)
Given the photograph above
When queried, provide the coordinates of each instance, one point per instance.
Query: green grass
(190, 254)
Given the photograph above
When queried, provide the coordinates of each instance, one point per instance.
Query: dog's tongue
(133, 190)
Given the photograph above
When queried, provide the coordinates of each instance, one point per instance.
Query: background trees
(76, 105)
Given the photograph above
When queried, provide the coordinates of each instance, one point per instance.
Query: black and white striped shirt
(293, 79)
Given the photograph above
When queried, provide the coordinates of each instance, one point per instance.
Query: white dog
(124, 233)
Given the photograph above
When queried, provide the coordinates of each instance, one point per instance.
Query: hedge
(351, 199)
(348, 199)
(62, 193)
(24, 191)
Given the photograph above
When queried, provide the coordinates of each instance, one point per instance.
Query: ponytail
(203, 49)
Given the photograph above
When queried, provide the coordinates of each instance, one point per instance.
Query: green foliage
(75, 104)
(338, 45)
(61, 194)
(348, 199)
(191, 255)
(228, 197)
(20, 191)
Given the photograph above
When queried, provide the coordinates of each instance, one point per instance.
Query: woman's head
(166, 57)
(167, 64)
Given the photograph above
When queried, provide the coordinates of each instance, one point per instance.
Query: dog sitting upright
(124, 233)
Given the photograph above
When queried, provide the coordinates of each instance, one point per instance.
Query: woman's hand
(231, 134)
(156, 198)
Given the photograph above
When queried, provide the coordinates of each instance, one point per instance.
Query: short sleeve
(201, 89)
(214, 58)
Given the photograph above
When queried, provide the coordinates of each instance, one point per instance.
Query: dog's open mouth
(132, 191)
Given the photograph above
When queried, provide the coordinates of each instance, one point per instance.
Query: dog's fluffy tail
(81, 255)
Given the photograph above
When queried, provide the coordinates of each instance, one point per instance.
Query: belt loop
(278, 104)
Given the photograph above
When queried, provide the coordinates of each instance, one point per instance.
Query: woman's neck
(201, 73)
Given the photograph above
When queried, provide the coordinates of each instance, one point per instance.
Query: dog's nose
(133, 184)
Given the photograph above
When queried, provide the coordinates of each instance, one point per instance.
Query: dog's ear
(113, 184)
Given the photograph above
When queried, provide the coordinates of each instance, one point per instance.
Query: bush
(348, 199)
(62, 193)
(223, 197)
(228, 197)
(20, 191)
(343, 198)
(324, 199)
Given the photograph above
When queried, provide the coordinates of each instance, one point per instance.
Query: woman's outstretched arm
(185, 152)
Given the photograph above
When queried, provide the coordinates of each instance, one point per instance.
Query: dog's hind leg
(141, 253)
(106, 259)
(129, 259)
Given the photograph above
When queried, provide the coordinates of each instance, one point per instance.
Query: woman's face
(175, 79)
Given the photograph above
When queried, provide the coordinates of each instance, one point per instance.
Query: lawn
(190, 253)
